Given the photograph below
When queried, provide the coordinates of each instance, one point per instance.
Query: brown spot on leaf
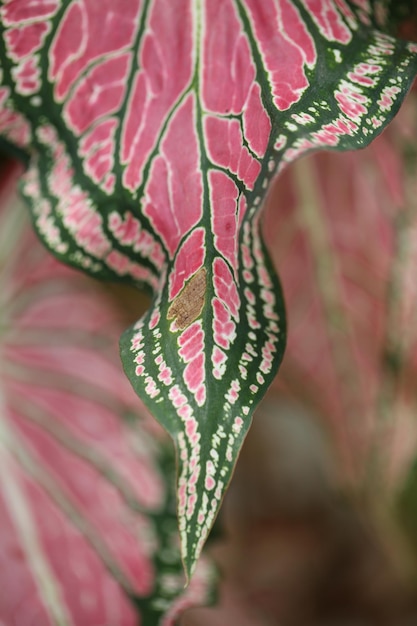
(188, 305)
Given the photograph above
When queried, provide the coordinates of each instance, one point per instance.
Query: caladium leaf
(346, 244)
(153, 130)
(88, 528)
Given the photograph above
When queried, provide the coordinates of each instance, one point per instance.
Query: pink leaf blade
(215, 100)
(87, 507)
(347, 253)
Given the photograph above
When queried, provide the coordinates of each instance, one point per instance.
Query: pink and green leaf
(88, 527)
(153, 130)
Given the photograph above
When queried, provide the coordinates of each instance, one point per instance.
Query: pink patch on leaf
(25, 40)
(328, 135)
(192, 352)
(185, 411)
(225, 286)
(328, 20)
(225, 147)
(209, 483)
(173, 195)
(191, 427)
(100, 92)
(177, 398)
(15, 13)
(118, 262)
(351, 101)
(241, 210)
(256, 122)
(388, 97)
(191, 341)
(101, 133)
(356, 77)
(27, 76)
(228, 69)
(219, 356)
(97, 147)
(224, 327)
(223, 200)
(162, 56)
(282, 34)
(87, 32)
(155, 317)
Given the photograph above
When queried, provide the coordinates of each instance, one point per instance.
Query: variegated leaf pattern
(153, 129)
(88, 527)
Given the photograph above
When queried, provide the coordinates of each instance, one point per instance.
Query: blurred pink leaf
(88, 531)
(345, 243)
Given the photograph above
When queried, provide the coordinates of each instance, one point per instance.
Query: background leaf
(153, 134)
(88, 531)
(346, 248)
